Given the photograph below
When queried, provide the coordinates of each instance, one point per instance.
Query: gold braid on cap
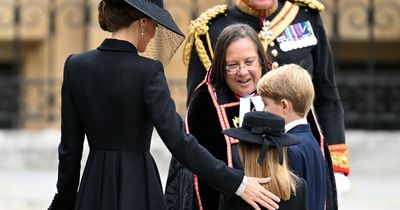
(313, 4)
(198, 28)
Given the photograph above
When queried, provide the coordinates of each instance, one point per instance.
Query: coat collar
(294, 123)
(117, 45)
(300, 129)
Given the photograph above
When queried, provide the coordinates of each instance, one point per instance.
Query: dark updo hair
(117, 14)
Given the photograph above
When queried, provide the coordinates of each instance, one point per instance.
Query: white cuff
(242, 186)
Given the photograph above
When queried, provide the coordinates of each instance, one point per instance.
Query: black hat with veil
(168, 36)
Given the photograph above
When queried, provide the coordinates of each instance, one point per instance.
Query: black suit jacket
(116, 97)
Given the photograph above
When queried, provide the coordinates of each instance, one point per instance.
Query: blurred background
(37, 35)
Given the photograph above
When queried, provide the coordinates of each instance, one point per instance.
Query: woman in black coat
(115, 98)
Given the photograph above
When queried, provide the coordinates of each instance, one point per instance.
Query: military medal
(265, 34)
(297, 36)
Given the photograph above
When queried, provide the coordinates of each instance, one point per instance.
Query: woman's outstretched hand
(255, 194)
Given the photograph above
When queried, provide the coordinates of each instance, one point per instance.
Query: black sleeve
(184, 147)
(69, 149)
(328, 105)
(304, 194)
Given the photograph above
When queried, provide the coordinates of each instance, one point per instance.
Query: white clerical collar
(245, 105)
(295, 123)
(248, 96)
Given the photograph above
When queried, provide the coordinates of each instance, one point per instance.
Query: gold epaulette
(313, 4)
(197, 28)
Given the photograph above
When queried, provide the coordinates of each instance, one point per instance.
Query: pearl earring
(142, 33)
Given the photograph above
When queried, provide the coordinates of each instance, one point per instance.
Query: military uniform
(292, 33)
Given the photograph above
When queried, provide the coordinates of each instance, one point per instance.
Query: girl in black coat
(263, 148)
(115, 98)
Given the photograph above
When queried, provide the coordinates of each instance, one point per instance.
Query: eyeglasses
(235, 67)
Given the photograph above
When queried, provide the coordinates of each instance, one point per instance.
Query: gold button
(272, 44)
(266, 23)
(274, 52)
(275, 65)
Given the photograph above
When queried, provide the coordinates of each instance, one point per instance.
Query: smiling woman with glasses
(239, 62)
(233, 68)
(243, 61)
(238, 48)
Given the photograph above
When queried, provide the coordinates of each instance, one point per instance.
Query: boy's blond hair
(290, 82)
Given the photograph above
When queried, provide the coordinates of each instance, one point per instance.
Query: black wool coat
(116, 97)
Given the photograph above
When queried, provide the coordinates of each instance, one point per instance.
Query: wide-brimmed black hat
(266, 129)
(168, 36)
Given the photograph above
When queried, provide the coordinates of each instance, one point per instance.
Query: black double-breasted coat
(116, 97)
